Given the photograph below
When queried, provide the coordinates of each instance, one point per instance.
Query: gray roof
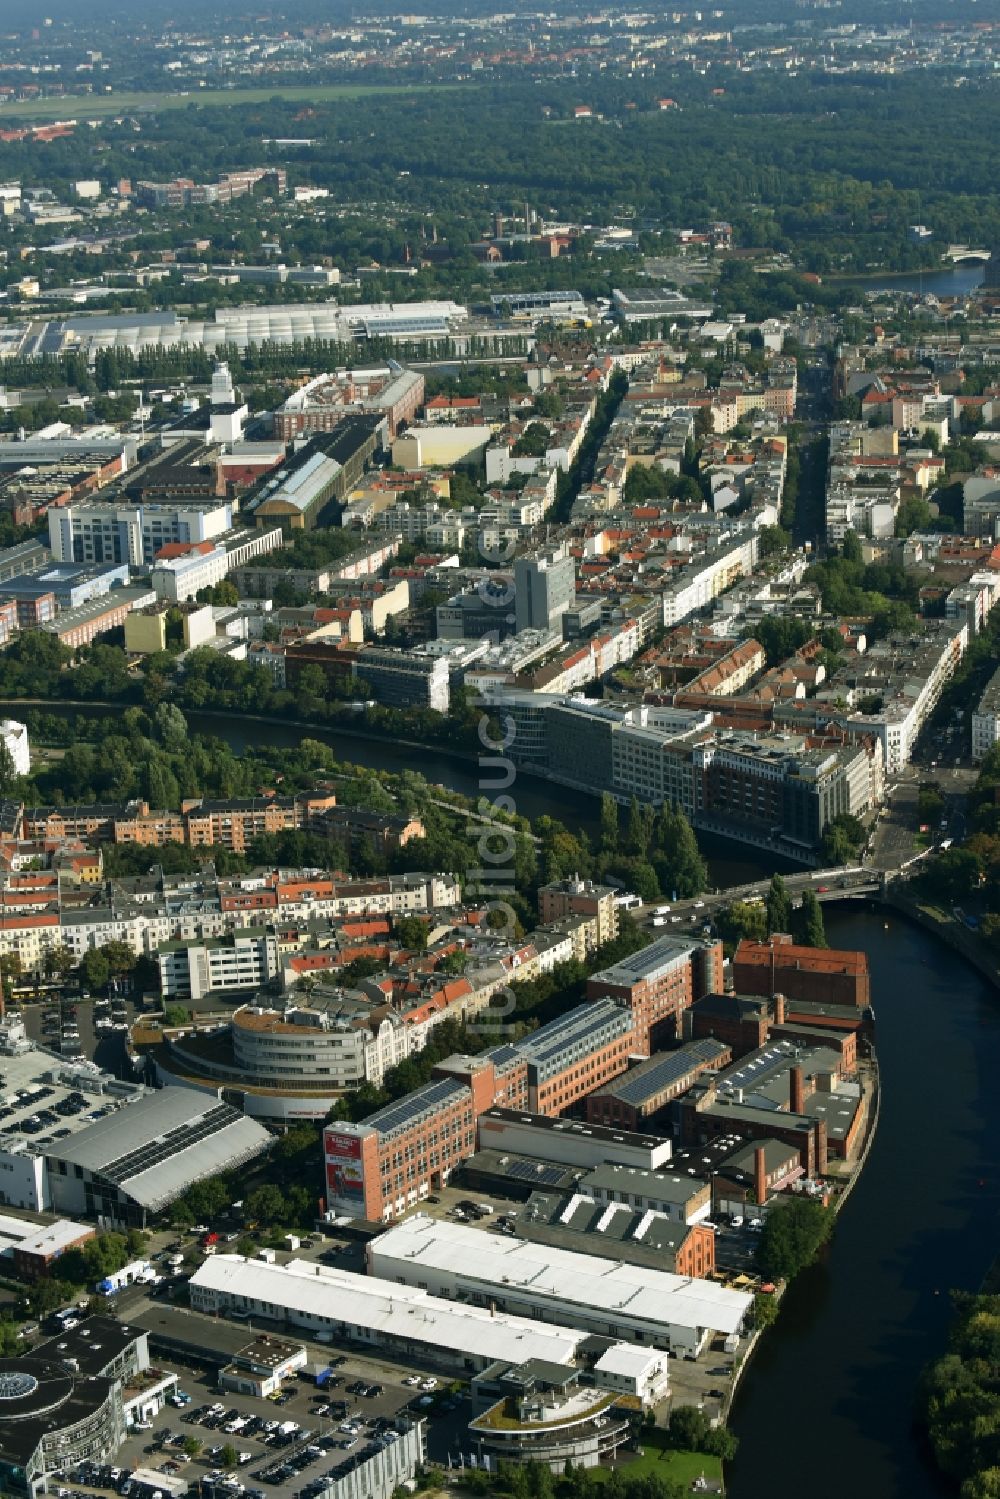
(662, 1071)
(156, 1147)
(659, 1186)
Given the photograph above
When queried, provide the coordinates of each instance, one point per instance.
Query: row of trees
(960, 1399)
(757, 920)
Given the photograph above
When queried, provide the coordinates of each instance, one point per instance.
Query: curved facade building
(287, 1066)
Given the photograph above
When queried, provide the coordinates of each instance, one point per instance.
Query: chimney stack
(796, 1091)
(779, 1009)
(759, 1176)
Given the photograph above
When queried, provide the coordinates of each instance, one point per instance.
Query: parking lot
(246, 1448)
(321, 1412)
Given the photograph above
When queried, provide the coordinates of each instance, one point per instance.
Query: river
(828, 1400)
(728, 862)
(956, 281)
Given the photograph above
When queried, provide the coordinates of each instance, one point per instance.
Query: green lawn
(95, 106)
(676, 1467)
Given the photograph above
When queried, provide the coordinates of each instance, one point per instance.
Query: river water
(828, 1401)
(956, 281)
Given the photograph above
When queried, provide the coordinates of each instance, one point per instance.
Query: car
(432, 1199)
(428, 1384)
(822, 889)
(412, 1379)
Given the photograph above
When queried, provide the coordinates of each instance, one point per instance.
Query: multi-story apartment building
(576, 897)
(986, 719)
(97, 530)
(241, 962)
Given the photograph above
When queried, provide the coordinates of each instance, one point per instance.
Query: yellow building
(149, 630)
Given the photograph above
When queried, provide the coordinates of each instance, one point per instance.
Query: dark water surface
(826, 1408)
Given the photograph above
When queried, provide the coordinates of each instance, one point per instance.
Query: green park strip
(100, 106)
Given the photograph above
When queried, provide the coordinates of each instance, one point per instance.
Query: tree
(265, 1205)
(229, 1457)
(93, 969)
(176, 1014)
(609, 824)
(779, 906)
(774, 540)
(58, 961)
(792, 1235)
(170, 725)
(411, 932)
(687, 1429)
(851, 547)
(119, 957)
(764, 1310)
(809, 921)
(191, 1446)
(639, 828)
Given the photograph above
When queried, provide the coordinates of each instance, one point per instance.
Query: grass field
(676, 1467)
(99, 106)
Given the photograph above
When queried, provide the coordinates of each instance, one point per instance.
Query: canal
(828, 1401)
(728, 862)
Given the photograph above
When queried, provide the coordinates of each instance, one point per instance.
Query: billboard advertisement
(344, 1172)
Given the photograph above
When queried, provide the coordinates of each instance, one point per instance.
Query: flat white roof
(53, 1238)
(564, 1276)
(379, 1306)
(629, 1360)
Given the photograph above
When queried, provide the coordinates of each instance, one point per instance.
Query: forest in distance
(789, 162)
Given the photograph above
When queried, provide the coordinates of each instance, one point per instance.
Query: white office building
(15, 742)
(102, 531)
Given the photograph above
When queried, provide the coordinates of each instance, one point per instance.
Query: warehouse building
(619, 1231)
(659, 983)
(606, 1297)
(390, 1162)
(301, 493)
(131, 1165)
(405, 1320)
(819, 975)
(569, 1142)
(33, 1248)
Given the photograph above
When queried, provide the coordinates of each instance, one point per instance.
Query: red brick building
(820, 975)
(659, 983)
(384, 1166)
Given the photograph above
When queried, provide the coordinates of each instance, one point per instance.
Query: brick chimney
(779, 1009)
(796, 1091)
(759, 1176)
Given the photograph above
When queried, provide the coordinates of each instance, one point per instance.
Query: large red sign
(344, 1147)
